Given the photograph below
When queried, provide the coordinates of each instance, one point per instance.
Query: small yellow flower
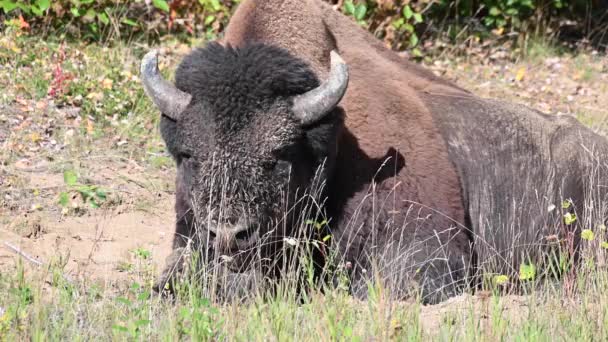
(500, 279)
(587, 234)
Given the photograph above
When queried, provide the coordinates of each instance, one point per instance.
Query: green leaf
(216, 5)
(64, 199)
(527, 272)
(417, 18)
(141, 322)
(120, 328)
(8, 6)
(407, 12)
(500, 279)
(564, 263)
(413, 40)
(326, 238)
(566, 204)
(569, 218)
(103, 18)
(123, 300)
(75, 12)
(494, 11)
(530, 4)
(161, 5)
(43, 5)
(101, 194)
(398, 23)
(69, 177)
(408, 27)
(209, 19)
(36, 10)
(93, 204)
(349, 7)
(90, 14)
(143, 296)
(587, 234)
(360, 11)
(129, 22)
(558, 4)
(604, 245)
(85, 191)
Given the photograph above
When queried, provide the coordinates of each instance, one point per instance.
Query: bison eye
(282, 166)
(269, 164)
(184, 155)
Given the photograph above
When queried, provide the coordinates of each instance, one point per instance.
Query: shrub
(400, 23)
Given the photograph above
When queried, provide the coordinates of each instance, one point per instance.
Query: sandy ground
(96, 243)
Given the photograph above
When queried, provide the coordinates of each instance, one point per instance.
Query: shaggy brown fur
(427, 183)
(449, 157)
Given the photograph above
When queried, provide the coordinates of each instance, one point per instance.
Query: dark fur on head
(240, 113)
(240, 80)
(236, 82)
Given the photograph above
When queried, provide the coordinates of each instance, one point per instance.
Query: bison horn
(314, 104)
(169, 100)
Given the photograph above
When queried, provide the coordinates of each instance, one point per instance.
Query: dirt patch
(96, 245)
(133, 224)
(461, 310)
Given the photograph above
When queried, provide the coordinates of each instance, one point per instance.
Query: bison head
(250, 129)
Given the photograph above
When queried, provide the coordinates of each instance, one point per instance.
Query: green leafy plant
(93, 195)
(135, 317)
(527, 272)
(406, 23)
(569, 218)
(503, 13)
(199, 321)
(142, 253)
(587, 234)
(37, 7)
(357, 11)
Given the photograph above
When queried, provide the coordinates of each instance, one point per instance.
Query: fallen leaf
(35, 137)
(95, 96)
(41, 105)
(499, 31)
(23, 164)
(521, 73)
(90, 128)
(23, 24)
(107, 83)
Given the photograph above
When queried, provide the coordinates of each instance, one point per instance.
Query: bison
(422, 184)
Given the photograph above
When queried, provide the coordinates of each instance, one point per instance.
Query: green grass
(32, 309)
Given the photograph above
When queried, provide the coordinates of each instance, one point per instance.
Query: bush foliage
(400, 23)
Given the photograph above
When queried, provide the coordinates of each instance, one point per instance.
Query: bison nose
(240, 235)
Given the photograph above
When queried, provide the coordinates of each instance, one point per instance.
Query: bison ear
(169, 100)
(315, 104)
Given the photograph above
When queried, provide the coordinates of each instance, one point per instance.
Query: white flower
(291, 241)
(226, 258)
